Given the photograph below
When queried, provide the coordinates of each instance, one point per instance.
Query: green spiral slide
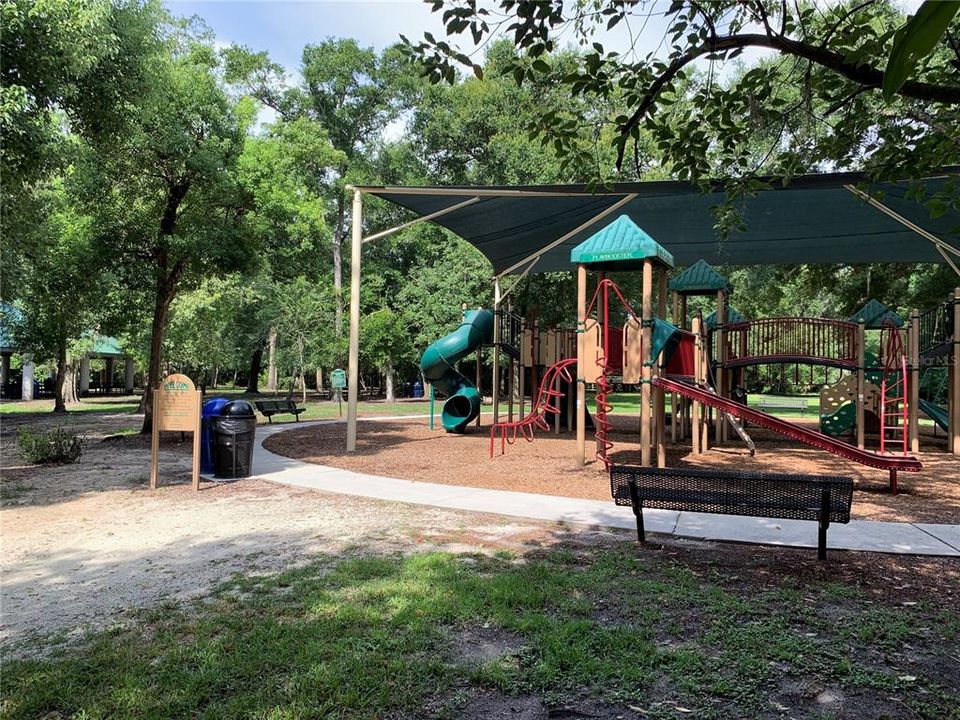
(438, 365)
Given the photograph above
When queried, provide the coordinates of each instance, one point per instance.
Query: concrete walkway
(866, 535)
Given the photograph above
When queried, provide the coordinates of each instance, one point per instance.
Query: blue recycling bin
(211, 409)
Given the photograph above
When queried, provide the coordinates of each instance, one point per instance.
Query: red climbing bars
(544, 404)
(893, 393)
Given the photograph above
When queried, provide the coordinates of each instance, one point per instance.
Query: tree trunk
(303, 387)
(214, 376)
(319, 373)
(166, 290)
(272, 360)
(338, 263)
(59, 405)
(389, 375)
(253, 381)
(70, 395)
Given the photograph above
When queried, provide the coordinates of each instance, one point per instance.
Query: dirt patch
(411, 451)
(483, 644)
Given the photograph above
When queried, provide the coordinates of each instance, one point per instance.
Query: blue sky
(283, 28)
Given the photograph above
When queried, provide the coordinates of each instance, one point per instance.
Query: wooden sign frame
(176, 406)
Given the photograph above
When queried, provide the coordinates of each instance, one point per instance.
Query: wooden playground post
(695, 406)
(497, 338)
(674, 403)
(954, 392)
(660, 397)
(521, 373)
(861, 382)
(721, 432)
(646, 374)
(913, 409)
(581, 365)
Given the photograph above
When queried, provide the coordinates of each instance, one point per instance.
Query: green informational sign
(338, 379)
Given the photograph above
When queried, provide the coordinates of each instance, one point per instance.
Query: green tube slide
(438, 366)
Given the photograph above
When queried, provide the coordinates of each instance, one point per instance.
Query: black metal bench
(269, 408)
(824, 499)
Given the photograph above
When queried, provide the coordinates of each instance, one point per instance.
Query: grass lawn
(316, 409)
(608, 632)
(128, 403)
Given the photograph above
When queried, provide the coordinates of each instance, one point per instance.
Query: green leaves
(915, 41)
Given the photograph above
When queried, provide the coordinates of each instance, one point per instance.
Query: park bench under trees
(269, 408)
(776, 403)
(824, 499)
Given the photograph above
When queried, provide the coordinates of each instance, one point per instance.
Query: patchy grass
(624, 632)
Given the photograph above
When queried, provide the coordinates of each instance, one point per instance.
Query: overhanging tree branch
(864, 75)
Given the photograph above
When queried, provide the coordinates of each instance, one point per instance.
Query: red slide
(893, 463)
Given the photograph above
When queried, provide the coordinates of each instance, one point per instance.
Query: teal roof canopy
(732, 317)
(699, 279)
(621, 245)
(874, 314)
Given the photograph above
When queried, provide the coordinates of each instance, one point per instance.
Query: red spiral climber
(601, 423)
(545, 404)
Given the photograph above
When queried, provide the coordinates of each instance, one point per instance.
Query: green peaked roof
(874, 314)
(621, 245)
(732, 317)
(699, 278)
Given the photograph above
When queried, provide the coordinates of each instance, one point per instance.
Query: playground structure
(541, 229)
(700, 367)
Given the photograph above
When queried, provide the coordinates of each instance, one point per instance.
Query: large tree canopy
(815, 98)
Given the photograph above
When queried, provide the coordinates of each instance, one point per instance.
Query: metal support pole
(353, 368)
(497, 339)
(913, 409)
(954, 424)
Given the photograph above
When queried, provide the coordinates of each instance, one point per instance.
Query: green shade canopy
(699, 279)
(621, 245)
(874, 314)
(732, 317)
(813, 219)
(104, 346)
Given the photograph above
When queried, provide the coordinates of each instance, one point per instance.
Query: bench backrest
(264, 405)
(725, 492)
(777, 402)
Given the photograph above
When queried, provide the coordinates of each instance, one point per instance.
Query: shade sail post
(497, 340)
(353, 381)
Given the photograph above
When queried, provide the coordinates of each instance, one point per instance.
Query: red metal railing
(790, 339)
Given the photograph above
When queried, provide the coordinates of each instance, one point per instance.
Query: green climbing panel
(840, 422)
